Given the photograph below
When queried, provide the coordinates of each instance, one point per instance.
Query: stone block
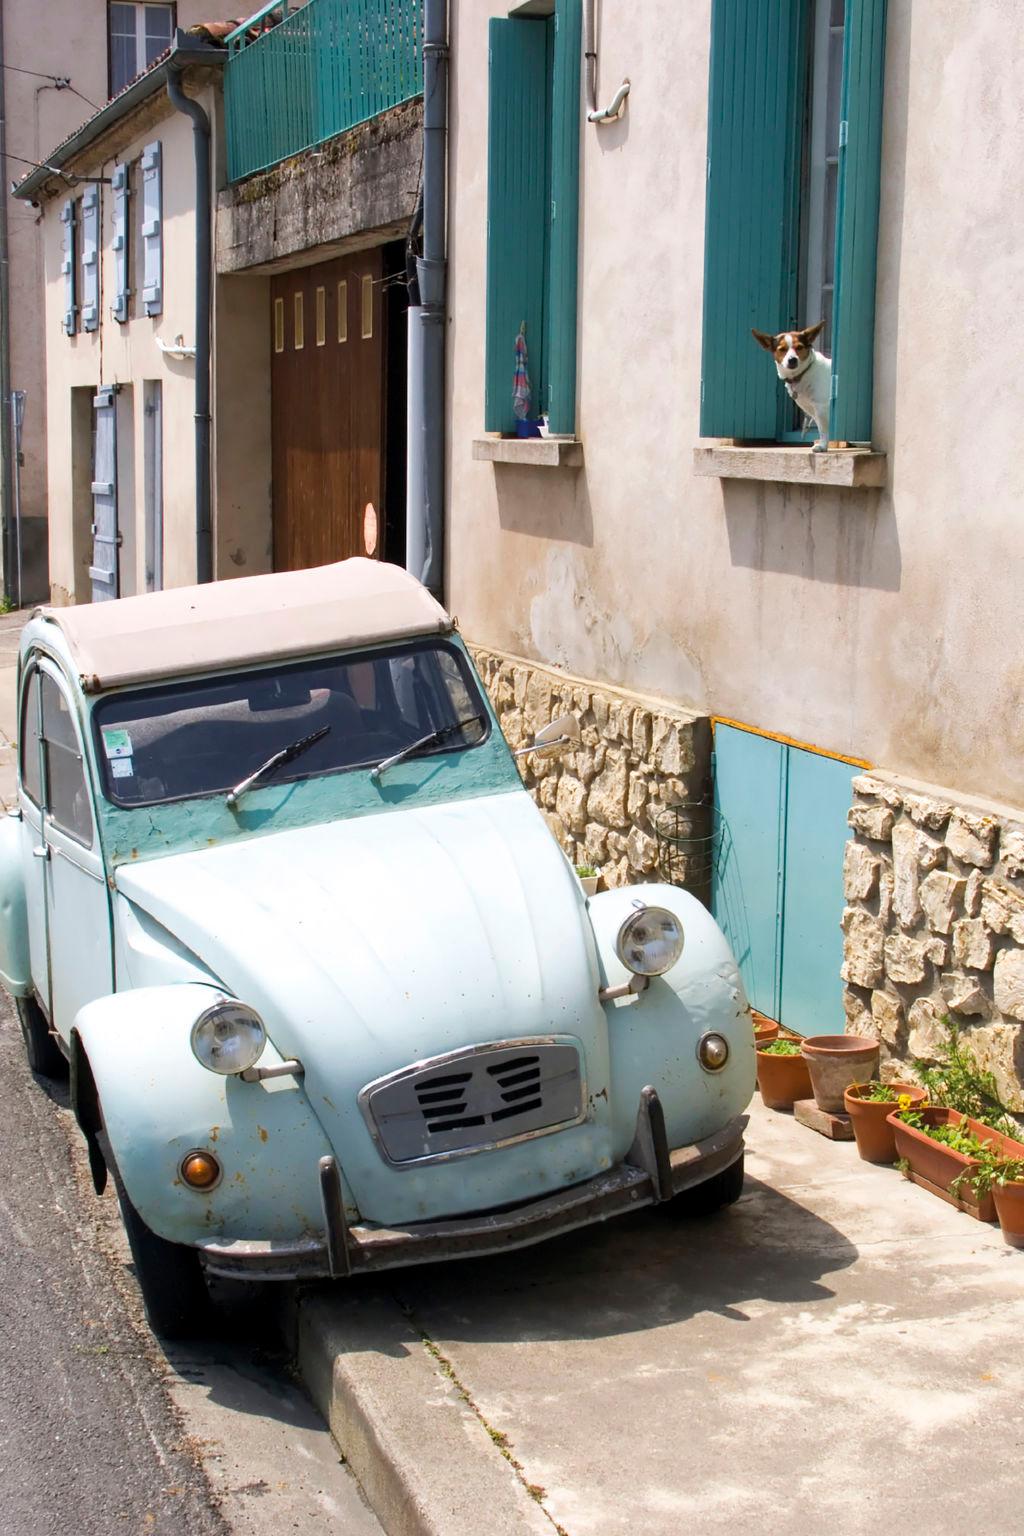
(547, 794)
(973, 945)
(872, 821)
(641, 734)
(905, 874)
(940, 895)
(888, 1014)
(927, 1031)
(867, 784)
(972, 839)
(671, 747)
(905, 958)
(965, 994)
(1002, 908)
(973, 893)
(860, 871)
(641, 850)
(1008, 983)
(538, 702)
(859, 1020)
(606, 800)
(926, 812)
(999, 1048)
(862, 948)
(557, 828)
(638, 796)
(1011, 850)
(595, 842)
(571, 804)
(885, 893)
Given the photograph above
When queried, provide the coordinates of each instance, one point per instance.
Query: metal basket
(688, 837)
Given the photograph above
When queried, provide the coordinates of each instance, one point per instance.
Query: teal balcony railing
(321, 69)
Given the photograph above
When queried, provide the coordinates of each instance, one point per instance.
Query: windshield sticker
(116, 743)
(122, 768)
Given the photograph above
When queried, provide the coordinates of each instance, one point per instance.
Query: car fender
(135, 1077)
(653, 1036)
(15, 969)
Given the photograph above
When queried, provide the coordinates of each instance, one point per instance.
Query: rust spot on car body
(214, 1132)
(263, 1134)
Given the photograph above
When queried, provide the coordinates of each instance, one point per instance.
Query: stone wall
(639, 759)
(934, 926)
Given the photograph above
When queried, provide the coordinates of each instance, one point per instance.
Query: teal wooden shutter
(563, 264)
(517, 212)
(122, 282)
(69, 267)
(90, 258)
(751, 239)
(860, 172)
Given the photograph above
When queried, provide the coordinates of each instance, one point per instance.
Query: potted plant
(782, 1074)
(944, 1150)
(765, 1029)
(836, 1061)
(1008, 1193)
(869, 1106)
(588, 877)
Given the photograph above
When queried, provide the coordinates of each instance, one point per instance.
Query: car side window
(28, 738)
(67, 792)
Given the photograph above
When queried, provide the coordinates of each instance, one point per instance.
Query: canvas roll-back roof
(245, 621)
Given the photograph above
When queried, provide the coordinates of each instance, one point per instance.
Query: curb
(422, 1456)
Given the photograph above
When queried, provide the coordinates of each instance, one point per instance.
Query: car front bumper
(650, 1174)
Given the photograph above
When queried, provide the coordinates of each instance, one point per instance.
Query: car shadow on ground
(627, 1276)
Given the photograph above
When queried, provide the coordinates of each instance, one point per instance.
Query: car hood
(370, 944)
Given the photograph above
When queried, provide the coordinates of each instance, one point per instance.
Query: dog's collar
(793, 378)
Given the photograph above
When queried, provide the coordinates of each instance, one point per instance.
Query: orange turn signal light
(200, 1170)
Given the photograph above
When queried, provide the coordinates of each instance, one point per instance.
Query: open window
(794, 164)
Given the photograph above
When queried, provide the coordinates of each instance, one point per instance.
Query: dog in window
(807, 374)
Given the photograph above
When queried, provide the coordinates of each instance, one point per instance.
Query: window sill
(855, 468)
(543, 452)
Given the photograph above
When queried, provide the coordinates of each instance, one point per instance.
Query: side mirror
(561, 733)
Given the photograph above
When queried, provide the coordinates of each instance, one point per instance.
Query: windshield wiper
(433, 740)
(285, 755)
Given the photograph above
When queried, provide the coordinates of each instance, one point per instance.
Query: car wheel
(720, 1190)
(44, 1054)
(170, 1275)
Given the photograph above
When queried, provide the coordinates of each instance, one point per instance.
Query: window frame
(32, 675)
(141, 8)
(49, 676)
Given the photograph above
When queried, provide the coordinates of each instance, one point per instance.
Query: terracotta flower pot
(938, 1166)
(876, 1140)
(765, 1029)
(836, 1061)
(1009, 1199)
(782, 1080)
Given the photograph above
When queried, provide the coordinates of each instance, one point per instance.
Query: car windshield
(180, 740)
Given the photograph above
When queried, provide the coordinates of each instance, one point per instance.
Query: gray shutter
(106, 539)
(69, 268)
(90, 258)
(122, 288)
(152, 230)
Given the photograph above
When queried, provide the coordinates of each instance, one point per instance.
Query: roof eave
(195, 55)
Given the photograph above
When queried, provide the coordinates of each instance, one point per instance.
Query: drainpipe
(204, 250)
(425, 519)
(615, 108)
(6, 433)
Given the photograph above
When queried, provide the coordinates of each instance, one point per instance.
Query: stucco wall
(879, 625)
(65, 38)
(128, 355)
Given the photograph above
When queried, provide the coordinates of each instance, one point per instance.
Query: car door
(34, 850)
(77, 900)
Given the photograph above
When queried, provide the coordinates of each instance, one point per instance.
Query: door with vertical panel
(106, 538)
(777, 889)
(327, 411)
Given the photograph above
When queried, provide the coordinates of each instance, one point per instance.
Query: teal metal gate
(777, 886)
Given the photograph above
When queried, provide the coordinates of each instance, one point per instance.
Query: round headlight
(713, 1052)
(228, 1038)
(650, 941)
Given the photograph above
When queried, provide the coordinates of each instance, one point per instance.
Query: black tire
(714, 1194)
(44, 1054)
(170, 1275)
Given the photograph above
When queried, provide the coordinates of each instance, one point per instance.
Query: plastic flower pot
(938, 1166)
(836, 1061)
(1009, 1199)
(782, 1079)
(876, 1140)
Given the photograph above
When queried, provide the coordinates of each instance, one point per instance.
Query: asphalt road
(101, 1432)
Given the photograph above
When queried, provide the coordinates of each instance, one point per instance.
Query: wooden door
(327, 393)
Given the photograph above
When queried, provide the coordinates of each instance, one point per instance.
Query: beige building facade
(860, 606)
(59, 66)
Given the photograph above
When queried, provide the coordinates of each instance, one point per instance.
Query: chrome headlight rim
(713, 1037)
(203, 1046)
(627, 951)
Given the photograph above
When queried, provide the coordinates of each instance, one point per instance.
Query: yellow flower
(904, 1101)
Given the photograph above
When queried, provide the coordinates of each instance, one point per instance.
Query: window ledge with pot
(541, 452)
(854, 468)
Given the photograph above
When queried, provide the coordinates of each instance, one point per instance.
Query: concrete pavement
(837, 1346)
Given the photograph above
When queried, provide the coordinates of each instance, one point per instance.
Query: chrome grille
(484, 1096)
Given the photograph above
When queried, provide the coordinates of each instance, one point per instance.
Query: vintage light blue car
(332, 996)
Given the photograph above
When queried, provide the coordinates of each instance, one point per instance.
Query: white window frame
(140, 8)
(817, 275)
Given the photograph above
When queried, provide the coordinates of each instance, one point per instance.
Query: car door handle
(42, 852)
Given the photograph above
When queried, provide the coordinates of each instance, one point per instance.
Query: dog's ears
(811, 332)
(768, 342)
